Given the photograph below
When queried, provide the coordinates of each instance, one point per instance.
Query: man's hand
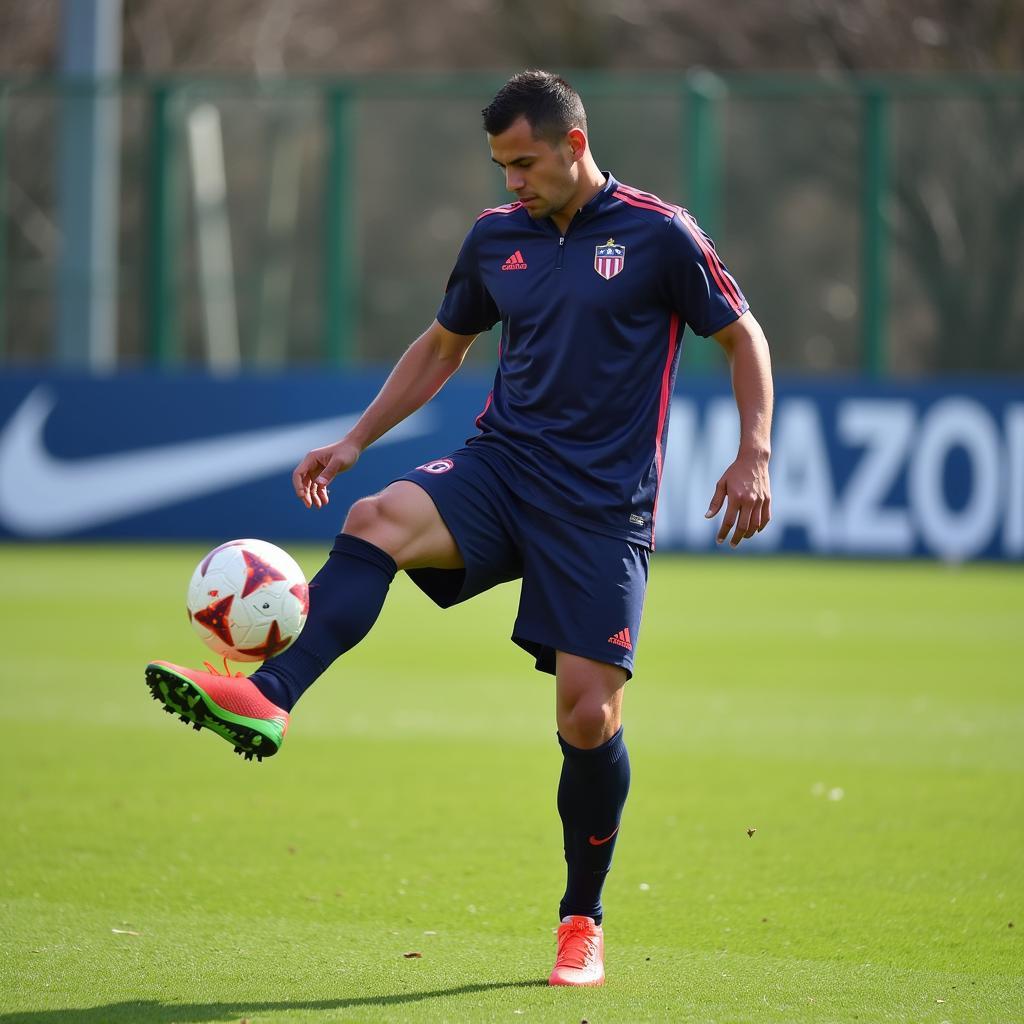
(314, 473)
(746, 488)
(421, 372)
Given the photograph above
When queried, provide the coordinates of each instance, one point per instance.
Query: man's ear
(577, 139)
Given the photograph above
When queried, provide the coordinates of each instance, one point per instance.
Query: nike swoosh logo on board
(594, 841)
(42, 495)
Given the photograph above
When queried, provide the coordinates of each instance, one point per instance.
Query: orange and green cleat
(580, 958)
(230, 706)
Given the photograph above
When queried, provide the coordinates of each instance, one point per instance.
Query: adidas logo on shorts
(621, 639)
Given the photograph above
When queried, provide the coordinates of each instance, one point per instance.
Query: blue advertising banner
(887, 470)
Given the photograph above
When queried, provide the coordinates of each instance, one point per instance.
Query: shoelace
(578, 947)
(226, 672)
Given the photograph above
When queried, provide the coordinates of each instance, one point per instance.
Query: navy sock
(591, 794)
(345, 598)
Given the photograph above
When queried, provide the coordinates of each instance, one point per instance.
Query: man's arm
(745, 484)
(421, 372)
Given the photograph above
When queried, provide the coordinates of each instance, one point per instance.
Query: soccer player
(593, 282)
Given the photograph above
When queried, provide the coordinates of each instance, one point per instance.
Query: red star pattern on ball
(258, 573)
(215, 618)
(271, 646)
(301, 591)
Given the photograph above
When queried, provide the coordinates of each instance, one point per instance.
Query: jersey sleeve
(702, 290)
(467, 307)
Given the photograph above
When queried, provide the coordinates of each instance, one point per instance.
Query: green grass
(866, 719)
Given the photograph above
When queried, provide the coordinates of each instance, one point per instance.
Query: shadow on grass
(155, 1012)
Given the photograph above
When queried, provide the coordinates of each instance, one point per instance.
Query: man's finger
(731, 511)
(330, 469)
(755, 519)
(301, 485)
(716, 500)
(302, 478)
(766, 513)
(742, 523)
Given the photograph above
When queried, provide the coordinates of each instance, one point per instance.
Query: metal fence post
(702, 161)
(161, 305)
(88, 184)
(340, 243)
(703, 149)
(875, 237)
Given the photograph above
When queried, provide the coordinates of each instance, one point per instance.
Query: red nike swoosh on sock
(594, 841)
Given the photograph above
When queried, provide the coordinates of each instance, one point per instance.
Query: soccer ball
(248, 600)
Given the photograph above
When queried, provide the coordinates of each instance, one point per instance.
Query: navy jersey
(592, 323)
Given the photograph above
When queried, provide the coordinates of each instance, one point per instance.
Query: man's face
(544, 176)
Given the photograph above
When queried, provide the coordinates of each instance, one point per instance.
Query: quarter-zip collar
(592, 206)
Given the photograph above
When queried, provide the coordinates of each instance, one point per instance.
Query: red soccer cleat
(580, 959)
(231, 706)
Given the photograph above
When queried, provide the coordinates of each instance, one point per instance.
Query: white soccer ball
(248, 600)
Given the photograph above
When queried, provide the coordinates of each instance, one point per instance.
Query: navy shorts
(582, 592)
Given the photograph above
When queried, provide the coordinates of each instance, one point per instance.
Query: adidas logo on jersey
(514, 262)
(621, 639)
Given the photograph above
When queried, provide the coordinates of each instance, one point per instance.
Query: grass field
(867, 720)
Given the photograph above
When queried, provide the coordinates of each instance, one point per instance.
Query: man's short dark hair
(550, 105)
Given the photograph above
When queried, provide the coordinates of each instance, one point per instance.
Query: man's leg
(399, 528)
(591, 794)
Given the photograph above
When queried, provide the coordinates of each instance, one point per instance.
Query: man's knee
(588, 722)
(589, 706)
(364, 516)
(378, 520)
(403, 521)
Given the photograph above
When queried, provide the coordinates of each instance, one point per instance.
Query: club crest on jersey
(609, 259)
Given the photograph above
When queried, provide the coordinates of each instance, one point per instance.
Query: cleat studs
(197, 726)
(169, 711)
(183, 718)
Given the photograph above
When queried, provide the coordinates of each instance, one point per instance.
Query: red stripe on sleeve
(507, 208)
(643, 205)
(726, 285)
(648, 197)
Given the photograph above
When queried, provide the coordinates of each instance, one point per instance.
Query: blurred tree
(307, 36)
(957, 223)
(960, 226)
(29, 37)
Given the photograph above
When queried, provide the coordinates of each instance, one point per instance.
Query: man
(594, 283)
